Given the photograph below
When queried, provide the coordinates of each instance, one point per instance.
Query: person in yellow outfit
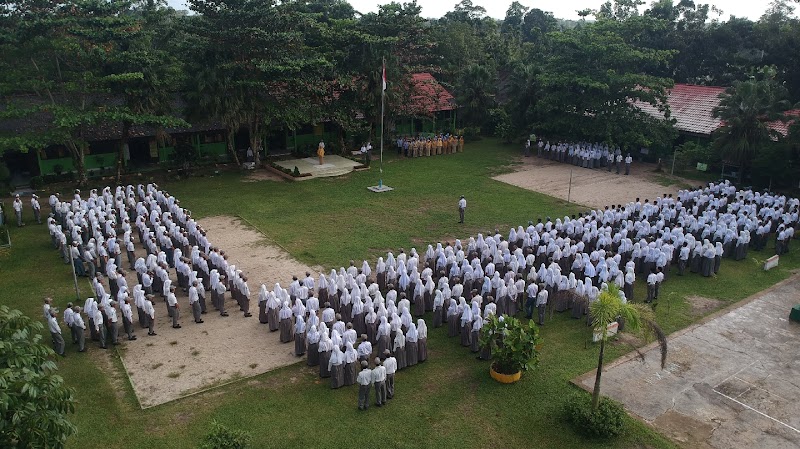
(439, 145)
(453, 144)
(460, 144)
(321, 152)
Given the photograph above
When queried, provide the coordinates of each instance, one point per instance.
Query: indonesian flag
(383, 76)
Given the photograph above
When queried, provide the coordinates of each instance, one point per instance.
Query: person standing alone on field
(462, 206)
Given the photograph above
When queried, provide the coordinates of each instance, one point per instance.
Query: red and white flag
(383, 76)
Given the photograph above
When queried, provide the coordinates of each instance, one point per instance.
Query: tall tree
(260, 46)
(34, 402)
(745, 109)
(59, 78)
(591, 82)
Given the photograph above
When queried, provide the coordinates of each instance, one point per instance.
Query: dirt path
(594, 188)
(178, 362)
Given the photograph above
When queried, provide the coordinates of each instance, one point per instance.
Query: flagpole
(383, 94)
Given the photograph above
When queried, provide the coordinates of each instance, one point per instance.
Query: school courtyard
(165, 391)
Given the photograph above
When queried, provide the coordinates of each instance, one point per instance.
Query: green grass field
(449, 401)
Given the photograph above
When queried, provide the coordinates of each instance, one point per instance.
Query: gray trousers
(151, 323)
(101, 333)
(380, 393)
(37, 214)
(363, 396)
(58, 342)
(461, 215)
(128, 327)
(389, 386)
(196, 311)
(112, 327)
(627, 169)
(19, 217)
(175, 314)
(81, 339)
(541, 310)
(73, 331)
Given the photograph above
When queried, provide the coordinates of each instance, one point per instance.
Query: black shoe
(203, 313)
(223, 314)
(103, 347)
(176, 327)
(200, 321)
(152, 333)
(132, 338)
(81, 350)
(247, 315)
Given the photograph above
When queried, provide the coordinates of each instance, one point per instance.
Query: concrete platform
(333, 166)
(732, 381)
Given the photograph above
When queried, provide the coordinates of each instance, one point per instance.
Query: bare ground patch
(595, 188)
(179, 362)
(702, 306)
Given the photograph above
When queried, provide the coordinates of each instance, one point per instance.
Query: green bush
(608, 421)
(296, 172)
(513, 343)
(5, 173)
(37, 182)
(221, 437)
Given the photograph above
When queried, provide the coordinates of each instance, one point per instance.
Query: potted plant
(513, 346)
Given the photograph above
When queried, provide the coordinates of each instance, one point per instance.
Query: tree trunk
(342, 148)
(78, 152)
(255, 142)
(232, 147)
(596, 391)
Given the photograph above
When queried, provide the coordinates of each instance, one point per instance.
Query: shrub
(296, 172)
(513, 344)
(608, 421)
(37, 182)
(221, 437)
(5, 173)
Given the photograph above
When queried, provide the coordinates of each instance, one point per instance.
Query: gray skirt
(313, 354)
(337, 375)
(412, 353)
(324, 358)
(422, 350)
(437, 317)
(299, 344)
(286, 330)
(466, 334)
(349, 373)
(400, 355)
(452, 325)
(272, 319)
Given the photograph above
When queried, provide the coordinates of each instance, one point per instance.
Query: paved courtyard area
(732, 381)
(594, 188)
(333, 166)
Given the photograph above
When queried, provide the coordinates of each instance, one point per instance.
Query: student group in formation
(358, 324)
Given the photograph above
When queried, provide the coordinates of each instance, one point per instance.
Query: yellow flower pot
(505, 378)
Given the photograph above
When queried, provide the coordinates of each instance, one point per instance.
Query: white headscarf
(337, 357)
(422, 329)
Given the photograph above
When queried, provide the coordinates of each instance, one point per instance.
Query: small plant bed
(286, 173)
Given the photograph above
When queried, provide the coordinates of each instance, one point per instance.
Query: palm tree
(745, 109)
(609, 308)
(476, 96)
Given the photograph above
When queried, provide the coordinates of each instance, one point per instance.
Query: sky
(562, 9)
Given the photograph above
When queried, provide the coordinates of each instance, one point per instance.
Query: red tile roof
(783, 127)
(430, 96)
(691, 106)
